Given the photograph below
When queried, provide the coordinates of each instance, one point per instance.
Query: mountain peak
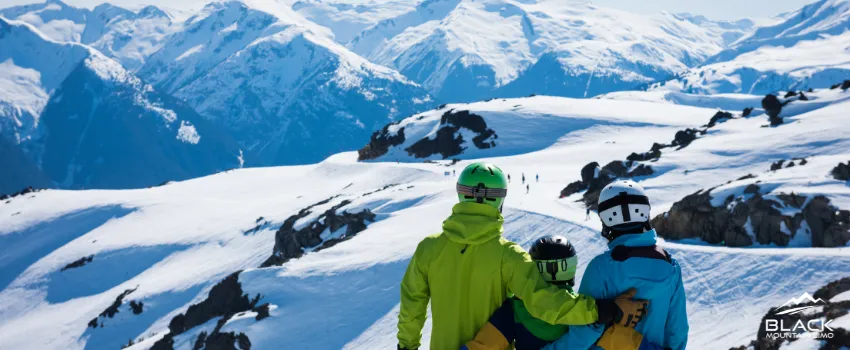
(151, 11)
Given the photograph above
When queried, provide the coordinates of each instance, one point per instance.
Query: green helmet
(482, 183)
(556, 259)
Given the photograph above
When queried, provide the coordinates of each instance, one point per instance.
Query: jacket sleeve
(543, 301)
(676, 330)
(415, 295)
(584, 337)
(497, 334)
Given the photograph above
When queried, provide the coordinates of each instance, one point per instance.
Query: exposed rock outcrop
(841, 171)
(772, 107)
(110, 311)
(22, 192)
(719, 117)
(79, 263)
(746, 112)
(449, 142)
(784, 164)
(380, 143)
(290, 242)
(224, 300)
(594, 179)
(755, 217)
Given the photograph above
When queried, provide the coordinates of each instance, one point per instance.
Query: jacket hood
(647, 238)
(473, 223)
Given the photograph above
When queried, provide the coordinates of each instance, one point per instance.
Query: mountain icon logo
(806, 298)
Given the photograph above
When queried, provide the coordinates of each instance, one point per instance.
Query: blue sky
(714, 9)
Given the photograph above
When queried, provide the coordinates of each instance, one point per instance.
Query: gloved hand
(622, 310)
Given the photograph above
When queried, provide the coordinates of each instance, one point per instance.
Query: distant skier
(633, 261)
(471, 250)
(537, 177)
(513, 325)
(527, 188)
(587, 215)
(453, 173)
(509, 178)
(523, 178)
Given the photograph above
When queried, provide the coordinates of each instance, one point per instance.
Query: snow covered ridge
(128, 37)
(278, 84)
(471, 50)
(88, 122)
(501, 127)
(181, 263)
(806, 50)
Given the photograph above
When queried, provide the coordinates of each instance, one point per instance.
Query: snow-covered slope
(729, 31)
(87, 122)
(130, 263)
(469, 50)
(347, 18)
(278, 83)
(127, 36)
(807, 49)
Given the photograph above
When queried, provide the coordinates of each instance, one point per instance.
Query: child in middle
(512, 326)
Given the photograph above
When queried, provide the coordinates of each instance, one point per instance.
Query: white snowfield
(807, 48)
(172, 243)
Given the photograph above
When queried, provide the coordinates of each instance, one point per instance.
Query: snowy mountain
(470, 50)
(179, 266)
(127, 36)
(85, 121)
(807, 49)
(279, 83)
(730, 31)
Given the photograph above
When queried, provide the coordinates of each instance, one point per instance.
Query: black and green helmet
(556, 259)
(482, 183)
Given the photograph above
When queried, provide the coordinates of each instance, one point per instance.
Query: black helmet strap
(480, 192)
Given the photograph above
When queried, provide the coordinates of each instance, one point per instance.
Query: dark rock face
(785, 164)
(594, 179)
(380, 143)
(222, 341)
(225, 300)
(803, 97)
(110, 311)
(684, 138)
(291, 242)
(772, 107)
(448, 142)
(845, 85)
(79, 263)
(746, 112)
(842, 171)
(653, 153)
(719, 117)
(790, 94)
(695, 217)
(137, 307)
(839, 339)
(22, 192)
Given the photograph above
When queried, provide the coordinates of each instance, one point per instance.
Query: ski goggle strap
(622, 199)
(482, 192)
(559, 270)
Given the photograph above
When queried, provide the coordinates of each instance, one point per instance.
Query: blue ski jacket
(659, 281)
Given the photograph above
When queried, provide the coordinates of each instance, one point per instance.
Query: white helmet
(623, 204)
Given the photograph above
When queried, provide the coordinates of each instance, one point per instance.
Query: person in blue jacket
(633, 260)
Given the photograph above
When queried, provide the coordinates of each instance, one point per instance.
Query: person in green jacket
(467, 271)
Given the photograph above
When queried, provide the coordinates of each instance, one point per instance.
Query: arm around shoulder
(543, 301)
